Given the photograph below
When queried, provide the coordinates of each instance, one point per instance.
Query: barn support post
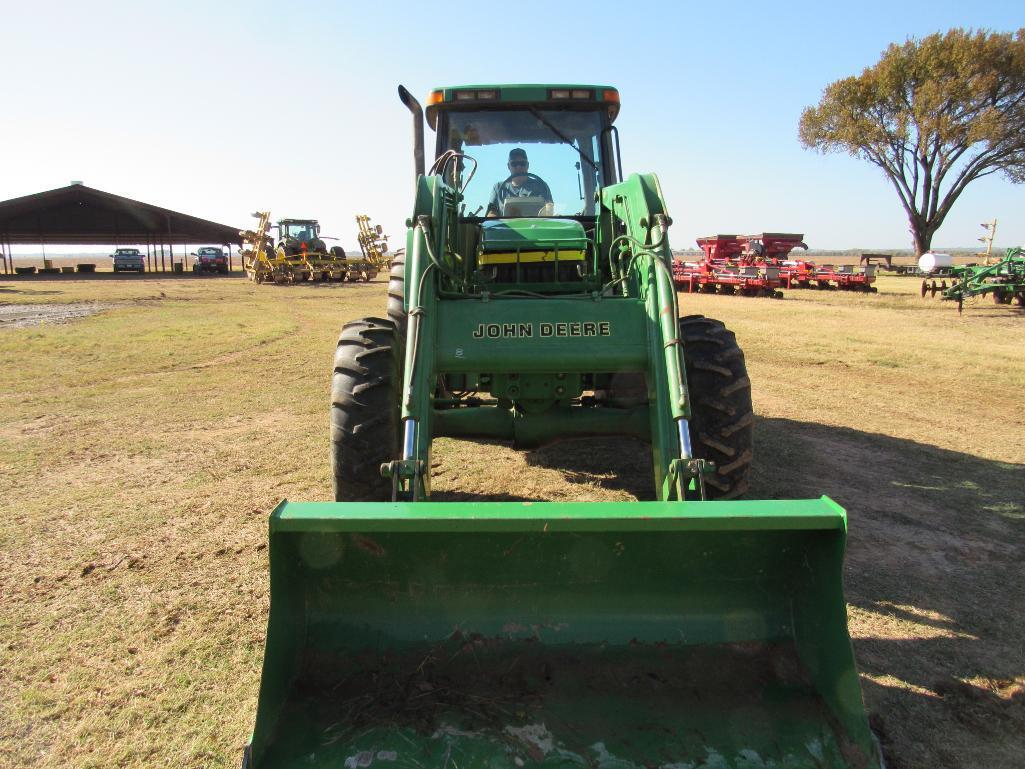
(170, 243)
(39, 231)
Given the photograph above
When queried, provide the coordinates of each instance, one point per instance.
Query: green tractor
(535, 302)
(298, 236)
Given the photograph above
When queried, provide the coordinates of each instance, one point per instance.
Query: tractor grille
(563, 272)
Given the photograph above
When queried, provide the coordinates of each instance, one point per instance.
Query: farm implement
(846, 277)
(373, 243)
(302, 255)
(757, 265)
(691, 630)
(1004, 281)
(727, 268)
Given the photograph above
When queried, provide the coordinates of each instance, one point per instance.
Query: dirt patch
(480, 695)
(22, 315)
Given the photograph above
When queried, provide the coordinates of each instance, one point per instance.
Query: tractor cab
(300, 235)
(527, 140)
(527, 163)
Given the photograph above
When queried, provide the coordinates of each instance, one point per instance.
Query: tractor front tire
(365, 422)
(722, 418)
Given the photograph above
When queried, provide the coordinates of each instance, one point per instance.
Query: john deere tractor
(535, 302)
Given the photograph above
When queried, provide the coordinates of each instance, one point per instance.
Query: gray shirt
(504, 190)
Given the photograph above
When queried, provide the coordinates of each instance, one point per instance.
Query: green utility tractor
(302, 236)
(535, 302)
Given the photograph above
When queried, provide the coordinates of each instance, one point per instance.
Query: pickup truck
(210, 259)
(128, 260)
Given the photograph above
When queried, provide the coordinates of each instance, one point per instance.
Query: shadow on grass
(476, 496)
(618, 463)
(799, 460)
(934, 578)
(337, 284)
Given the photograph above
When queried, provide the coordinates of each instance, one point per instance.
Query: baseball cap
(517, 154)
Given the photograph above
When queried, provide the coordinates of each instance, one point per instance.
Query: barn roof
(84, 215)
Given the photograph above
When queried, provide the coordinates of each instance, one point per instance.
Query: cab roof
(537, 94)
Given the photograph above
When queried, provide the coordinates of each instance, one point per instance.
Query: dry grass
(141, 449)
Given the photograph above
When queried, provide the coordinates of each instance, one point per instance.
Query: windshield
(530, 162)
(210, 252)
(304, 231)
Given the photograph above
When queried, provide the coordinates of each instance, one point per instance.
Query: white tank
(930, 261)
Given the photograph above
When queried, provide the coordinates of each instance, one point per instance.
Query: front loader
(692, 630)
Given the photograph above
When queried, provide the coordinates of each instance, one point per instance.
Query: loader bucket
(504, 635)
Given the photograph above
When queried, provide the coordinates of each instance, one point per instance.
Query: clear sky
(220, 109)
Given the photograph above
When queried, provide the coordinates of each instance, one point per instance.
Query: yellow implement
(259, 259)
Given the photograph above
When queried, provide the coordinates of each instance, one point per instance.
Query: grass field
(142, 447)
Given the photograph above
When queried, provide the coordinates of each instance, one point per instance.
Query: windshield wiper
(565, 139)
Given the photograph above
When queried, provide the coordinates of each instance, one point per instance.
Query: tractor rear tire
(396, 296)
(365, 422)
(722, 417)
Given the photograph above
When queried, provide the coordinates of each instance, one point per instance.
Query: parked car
(128, 260)
(210, 259)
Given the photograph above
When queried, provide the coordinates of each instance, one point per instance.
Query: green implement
(690, 632)
(1003, 280)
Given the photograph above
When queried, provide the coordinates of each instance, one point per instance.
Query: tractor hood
(508, 235)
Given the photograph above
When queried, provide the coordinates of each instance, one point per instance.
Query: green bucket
(680, 635)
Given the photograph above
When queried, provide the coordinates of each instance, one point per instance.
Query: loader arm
(634, 219)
